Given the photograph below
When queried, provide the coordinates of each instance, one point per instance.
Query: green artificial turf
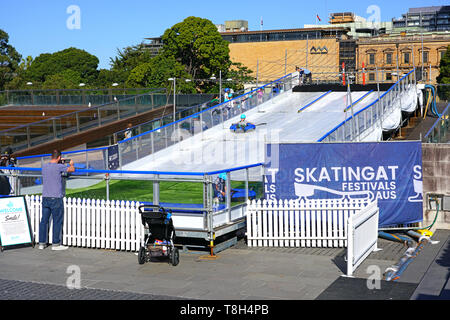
(134, 190)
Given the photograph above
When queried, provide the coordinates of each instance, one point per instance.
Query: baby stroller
(159, 235)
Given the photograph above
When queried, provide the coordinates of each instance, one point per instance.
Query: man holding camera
(7, 183)
(52, 199)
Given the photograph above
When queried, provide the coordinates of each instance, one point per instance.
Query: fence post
(54, 128)
(156, 191)
(107, 185)
(228, 196)
(246, 183)
(28, 137)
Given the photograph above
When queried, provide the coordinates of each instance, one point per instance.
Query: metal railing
(439, 132)
(170, 133)
(355, 126)
(70, 96)
(36, 133)
(163, 132)
(201, 220)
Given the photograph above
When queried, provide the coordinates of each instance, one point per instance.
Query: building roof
(284, 30)
(431, 9)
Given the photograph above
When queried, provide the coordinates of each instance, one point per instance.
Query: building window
(388, 58)
(425, 57)
(388, 76)
(371, 76)
(371, 58)
(406, 58)
(441, 55)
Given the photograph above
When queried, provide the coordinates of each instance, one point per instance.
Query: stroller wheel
(174, 257)
(141, 255)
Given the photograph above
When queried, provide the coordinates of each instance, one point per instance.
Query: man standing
(7, 160)
(52, 199)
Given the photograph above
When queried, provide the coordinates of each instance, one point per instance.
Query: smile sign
(388, 172)
(14, 222)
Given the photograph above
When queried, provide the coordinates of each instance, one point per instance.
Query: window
(425, 57)
(406, 57)
(371, 58)
(371, 76)
(441, 55)
(388, 58)
(388, 76)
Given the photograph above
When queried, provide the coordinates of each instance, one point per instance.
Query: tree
(67, 79)
(156, 72)
(197, 44)
(129, 58)
(444, 75)
(106, 78)
(79, 61)
(9, 60)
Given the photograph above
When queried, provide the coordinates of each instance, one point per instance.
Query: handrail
(62, 153)
(174, 173)
(73, 112)
(438, 120)
(358, 101)
(198, 113)
(314, 101)
(178, 121)
(82, 90)
(363, 109)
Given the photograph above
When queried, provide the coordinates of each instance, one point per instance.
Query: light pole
(174, 90)
(29, 83)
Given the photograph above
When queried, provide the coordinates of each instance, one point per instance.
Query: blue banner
(113, 157)
(390, 172)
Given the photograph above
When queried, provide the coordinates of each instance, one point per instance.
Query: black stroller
(159, 235)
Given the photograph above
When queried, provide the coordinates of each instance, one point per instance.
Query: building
(347, 39)
(270, 54)
(359, 26)
(396, 54)
(436, 18)
(236, 26)
(154, 45)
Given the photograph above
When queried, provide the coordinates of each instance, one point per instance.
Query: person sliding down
(243, 123)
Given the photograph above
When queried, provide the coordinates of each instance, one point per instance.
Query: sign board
(113, 157)
(390, 172)
(14, 222)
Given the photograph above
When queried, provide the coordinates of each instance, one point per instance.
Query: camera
(64, 161)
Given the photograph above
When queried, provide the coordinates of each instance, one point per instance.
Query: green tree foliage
(9, 60)
(197, 44)
(129, 58)
(67, 79)
(106, 78)
(444, 75)
(156, 72)
(82, 63)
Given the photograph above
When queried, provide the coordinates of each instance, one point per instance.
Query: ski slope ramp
(277, 120)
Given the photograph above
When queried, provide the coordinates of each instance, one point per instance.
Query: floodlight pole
(174, 96)
(220, 84)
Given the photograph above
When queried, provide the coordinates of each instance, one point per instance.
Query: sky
(102, 27)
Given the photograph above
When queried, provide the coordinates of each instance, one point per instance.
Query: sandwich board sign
(14, 222)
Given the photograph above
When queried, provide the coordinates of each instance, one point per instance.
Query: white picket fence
(91, 223)
(304, 223)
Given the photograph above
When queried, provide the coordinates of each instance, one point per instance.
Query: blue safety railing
(166, 132)
(439, 132)
(354, 126)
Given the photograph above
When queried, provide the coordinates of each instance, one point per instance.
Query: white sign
(14, 223)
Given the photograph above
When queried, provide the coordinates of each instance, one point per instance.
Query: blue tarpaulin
(390, 172)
